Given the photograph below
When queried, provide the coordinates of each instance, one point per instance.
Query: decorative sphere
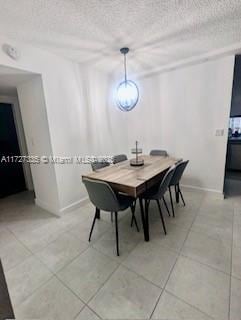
(127, 95)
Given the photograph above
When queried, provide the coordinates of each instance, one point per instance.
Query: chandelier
(127, 91)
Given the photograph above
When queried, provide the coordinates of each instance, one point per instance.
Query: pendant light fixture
(127, 91)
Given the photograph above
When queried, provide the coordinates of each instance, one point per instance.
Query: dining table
(135, 180)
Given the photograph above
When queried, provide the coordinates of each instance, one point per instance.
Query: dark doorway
(232, 185)
(11, 171)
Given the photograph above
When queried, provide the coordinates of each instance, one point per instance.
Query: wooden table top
(133, 180)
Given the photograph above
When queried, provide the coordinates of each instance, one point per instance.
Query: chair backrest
(119, 158)
(101, 195)
(180, 167)
(166, 181)
(99, 165)
(157, 152)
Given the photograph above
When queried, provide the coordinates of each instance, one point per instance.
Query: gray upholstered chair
(96, 166)
(116, 159)
(157, 193)
(157, 152)
(119, 158)
(179, 169)
(99, 165)
(104, 198)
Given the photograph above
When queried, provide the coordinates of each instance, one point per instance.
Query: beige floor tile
(212, 252)
(39, 238)
(127, 242)
(152, 261)
(183, 219)
(218, 206)
(201, 286)
(235, 302)
(125, 296)
(24, 279)
(60, 252)
(237, 235)
(87, 314)
(12, 252)
(28, 218)
(174, 239)
(86, 274)
(236, 262)
(216, 226)
(172, 308)
(82, 230)
(53, 301)
(237, 216)
(14, 255)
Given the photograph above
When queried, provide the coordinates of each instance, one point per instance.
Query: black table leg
(143, 218)
(97, 212)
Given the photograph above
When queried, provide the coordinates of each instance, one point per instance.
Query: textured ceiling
(158, 32)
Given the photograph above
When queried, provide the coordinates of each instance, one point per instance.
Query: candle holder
(137, 161)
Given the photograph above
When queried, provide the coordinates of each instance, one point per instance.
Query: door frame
(13, 101)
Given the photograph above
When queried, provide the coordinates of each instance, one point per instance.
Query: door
(11, 171)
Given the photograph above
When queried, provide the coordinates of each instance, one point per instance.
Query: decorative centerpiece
(137, 161)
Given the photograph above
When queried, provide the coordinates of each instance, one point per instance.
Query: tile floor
(192, 273)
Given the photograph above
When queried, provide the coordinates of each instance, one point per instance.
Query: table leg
(143, 218)
(97, 213)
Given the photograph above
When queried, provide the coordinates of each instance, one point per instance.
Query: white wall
(80, 118)
(180, 111)
(33, 110)
(65, 118)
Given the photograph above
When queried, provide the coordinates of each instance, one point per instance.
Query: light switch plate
(219, 132)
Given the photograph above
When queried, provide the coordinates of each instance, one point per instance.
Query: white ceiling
(158, 32)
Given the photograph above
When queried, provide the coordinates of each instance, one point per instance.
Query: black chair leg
(116, 233)
(179, 191)
(93, 224)
(111, 216)
(170, 192)
(97, 213)
(166, 206)
(161, 215)
(133, 218)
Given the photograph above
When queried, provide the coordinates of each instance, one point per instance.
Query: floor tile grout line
(194, 307)
(205, 264)
(235, 277)
(104, 283)
(77, 314)
(69, 262)
(32, 293)
(90, 309)
(54, 275)
(174, 263)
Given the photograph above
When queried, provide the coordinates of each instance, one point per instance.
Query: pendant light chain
(125, 68)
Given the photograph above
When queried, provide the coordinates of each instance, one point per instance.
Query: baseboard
(61, 211)
(218, 194)
(74, 205)
(47, 206)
